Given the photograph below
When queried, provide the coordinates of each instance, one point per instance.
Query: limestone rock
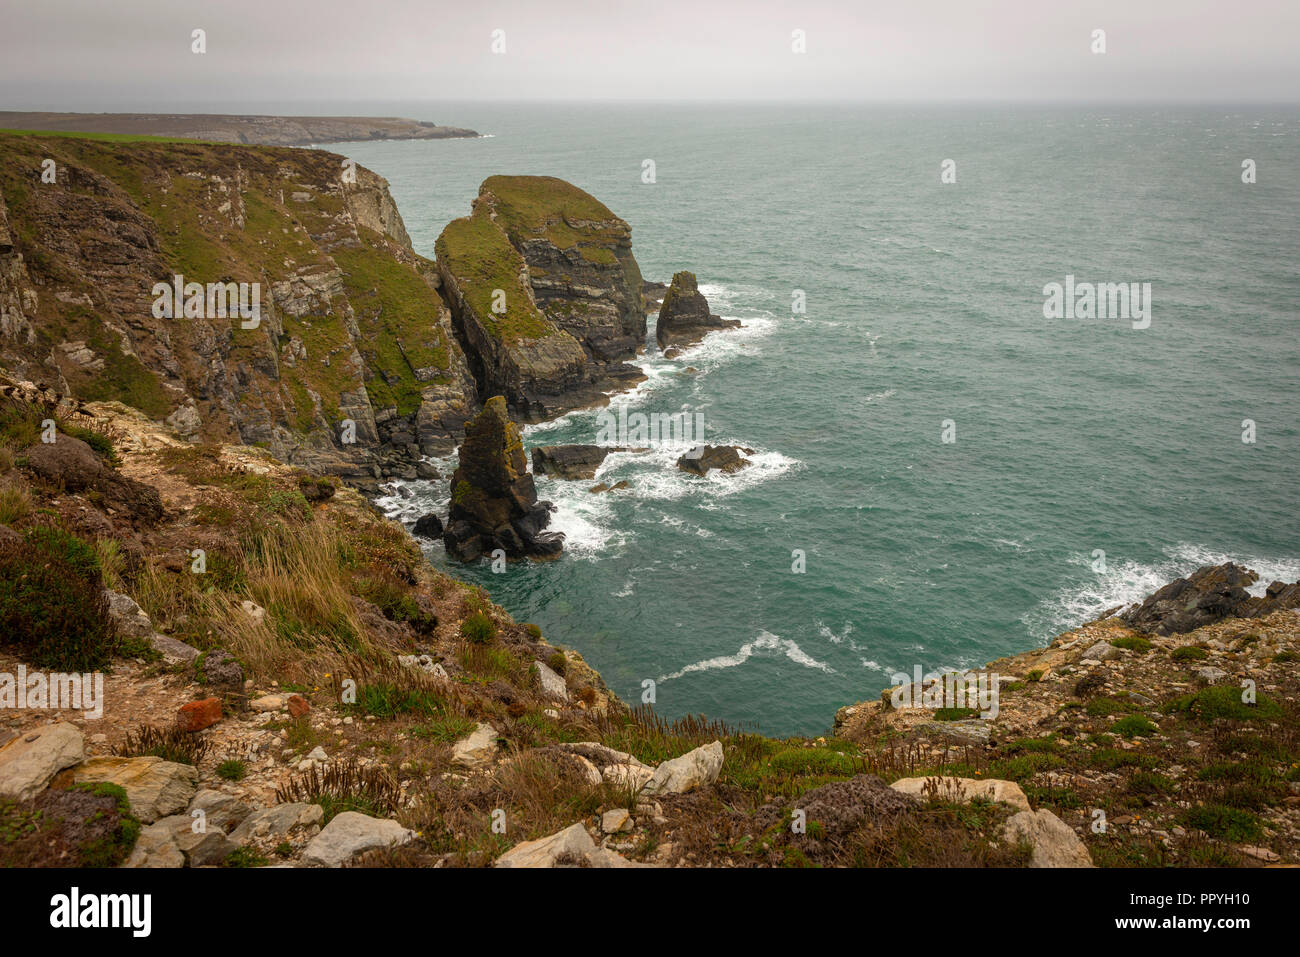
(477, 750)
(552, 685)
(154, 787)
(571, 847)
(30, 761)
(690, 771)
(1055, 843)
(350, 834)
(275, 824)
(964, 790)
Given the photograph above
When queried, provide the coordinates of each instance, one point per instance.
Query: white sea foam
(765, 642)
(1126, 582)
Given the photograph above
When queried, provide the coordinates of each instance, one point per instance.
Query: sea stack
(493, 498)
(684, 317)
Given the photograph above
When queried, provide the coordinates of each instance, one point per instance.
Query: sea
(945, 471)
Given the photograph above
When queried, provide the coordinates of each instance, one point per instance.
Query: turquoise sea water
(924, 304)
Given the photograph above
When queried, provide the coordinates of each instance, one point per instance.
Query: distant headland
(221, 128)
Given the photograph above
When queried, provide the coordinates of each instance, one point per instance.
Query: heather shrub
(53, 610)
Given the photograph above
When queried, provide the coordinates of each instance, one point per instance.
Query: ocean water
(924, 304)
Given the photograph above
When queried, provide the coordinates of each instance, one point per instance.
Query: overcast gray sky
(135, 54)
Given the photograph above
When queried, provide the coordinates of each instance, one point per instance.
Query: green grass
(1225, 823)
(1134, 726)
(102, 137)
(1132, 643)
(478, 253)
(1225, 702)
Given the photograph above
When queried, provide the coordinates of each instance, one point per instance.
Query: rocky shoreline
(280, 661)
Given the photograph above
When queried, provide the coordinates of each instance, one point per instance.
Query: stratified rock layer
(545, 293)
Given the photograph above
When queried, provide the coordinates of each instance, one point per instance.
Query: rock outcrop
(684, 317)
(545, 293)
(571, 461)
(493, 498)
(350, 366)
(702, 458)
(1209, 594)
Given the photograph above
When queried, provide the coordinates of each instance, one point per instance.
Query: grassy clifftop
(352, 322)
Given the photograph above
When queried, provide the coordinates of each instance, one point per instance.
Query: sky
(136, 55)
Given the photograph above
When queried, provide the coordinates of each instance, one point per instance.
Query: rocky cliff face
(545, 293)
(352, 366)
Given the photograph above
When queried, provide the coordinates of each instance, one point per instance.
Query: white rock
(270, 702)
(351, 833)
(30, 761)
(692, 770)
(965, 790)
(569, 846)
(1055, 843)
(477, 750)
(253, 611)
(552, 684)
(619, 819)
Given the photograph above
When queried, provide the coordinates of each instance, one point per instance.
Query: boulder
(154, 787)
(702, 458)
(963, 790)
(572, 847)
(199, 843)
(428, 526)
(476, 751)
(692, 770)
(198, 715)
(1054, 842)
(552, 685)
(493, 498)
(29, 762)
(350, 834)
(684, 316)
(130, 619)
(273, 825)
(156, 847)
(73, 465)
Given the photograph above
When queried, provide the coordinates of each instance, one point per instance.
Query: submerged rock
(702, 458)
(493, 498)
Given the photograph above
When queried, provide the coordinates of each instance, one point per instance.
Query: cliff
(545, 293)
(364, 356)
(351, 326)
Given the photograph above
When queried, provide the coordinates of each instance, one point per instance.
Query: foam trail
(766, 641)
